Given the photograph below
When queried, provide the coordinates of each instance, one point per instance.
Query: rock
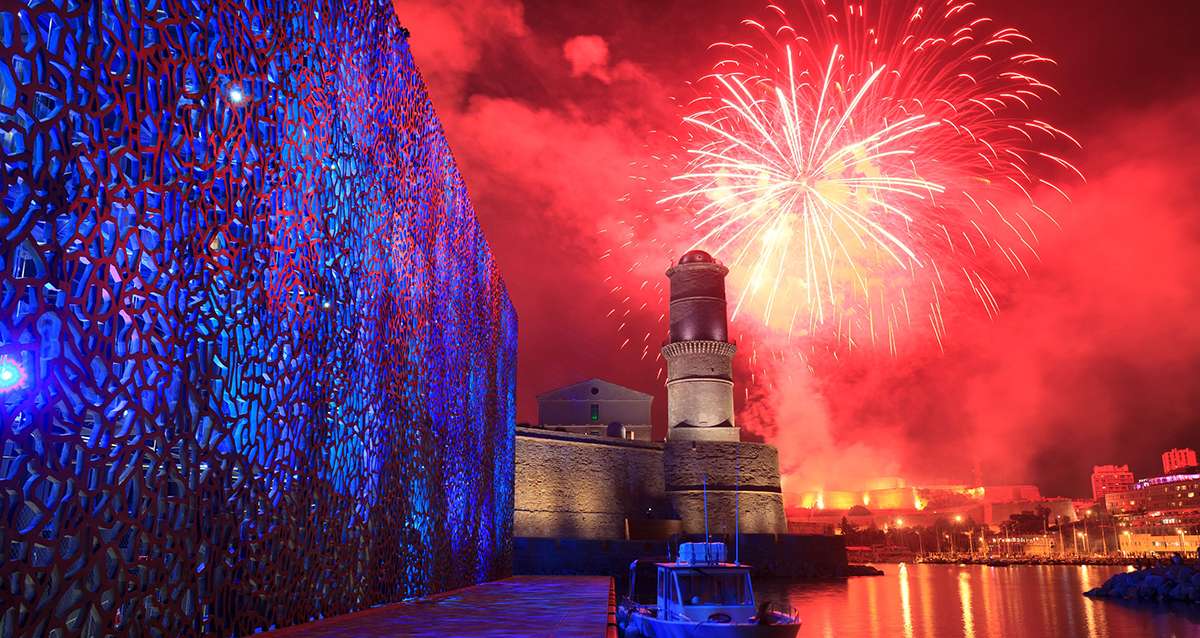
(1175, 582)
(863, 570)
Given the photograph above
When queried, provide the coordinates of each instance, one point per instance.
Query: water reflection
(964, 600)
(974, 601)
(905, 601)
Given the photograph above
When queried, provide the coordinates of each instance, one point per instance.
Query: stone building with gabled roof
(597, 407)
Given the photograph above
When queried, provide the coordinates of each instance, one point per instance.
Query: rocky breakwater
(1176, 582)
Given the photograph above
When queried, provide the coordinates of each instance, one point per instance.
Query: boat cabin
(700, 587)
(719, 592)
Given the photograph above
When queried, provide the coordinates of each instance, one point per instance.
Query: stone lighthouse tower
(699, 355)
(704, 451)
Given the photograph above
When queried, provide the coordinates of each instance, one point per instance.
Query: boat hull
(640, 626)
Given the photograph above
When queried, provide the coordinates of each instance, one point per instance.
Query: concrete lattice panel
(263, 363)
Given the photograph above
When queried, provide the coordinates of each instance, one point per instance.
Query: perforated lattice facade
(266, 363)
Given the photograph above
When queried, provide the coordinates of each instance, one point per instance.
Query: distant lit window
(595, 411)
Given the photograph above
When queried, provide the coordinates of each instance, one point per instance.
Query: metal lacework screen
(256, 362)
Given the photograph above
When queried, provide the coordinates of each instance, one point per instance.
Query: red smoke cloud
(588, 55)
(1095, 358)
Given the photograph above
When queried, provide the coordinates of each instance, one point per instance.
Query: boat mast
(704, 478)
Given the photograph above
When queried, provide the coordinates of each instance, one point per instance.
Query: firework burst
(859, 166)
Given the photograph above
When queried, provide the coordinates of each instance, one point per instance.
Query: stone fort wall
(740, 476)
(587, 487)
(583, 486)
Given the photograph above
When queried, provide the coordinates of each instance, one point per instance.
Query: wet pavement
(559, 606)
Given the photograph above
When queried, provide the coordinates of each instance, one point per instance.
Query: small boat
(699, 595)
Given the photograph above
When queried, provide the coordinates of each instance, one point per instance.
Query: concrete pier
(559, 606)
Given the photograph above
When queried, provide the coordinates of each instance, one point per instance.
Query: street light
(1180, 532)
(1128, 541)
(1086, 546)
(957, 520)
(1062, 541)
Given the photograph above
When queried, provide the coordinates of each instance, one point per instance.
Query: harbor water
(975, 601)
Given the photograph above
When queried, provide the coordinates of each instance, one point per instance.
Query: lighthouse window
(595, 412)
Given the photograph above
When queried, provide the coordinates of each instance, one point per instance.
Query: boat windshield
(714, 587)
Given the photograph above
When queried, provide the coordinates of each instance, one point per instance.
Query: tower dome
(697, 257)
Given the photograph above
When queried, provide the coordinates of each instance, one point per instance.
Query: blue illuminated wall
(267, 362)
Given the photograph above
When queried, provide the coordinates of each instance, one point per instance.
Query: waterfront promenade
(560, 606)
(1139, 560)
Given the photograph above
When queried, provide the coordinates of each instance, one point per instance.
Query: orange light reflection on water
(964, 599)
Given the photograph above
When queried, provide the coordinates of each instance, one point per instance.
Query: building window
(595, 412)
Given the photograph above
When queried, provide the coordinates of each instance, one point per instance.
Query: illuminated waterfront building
(989, 504)
(1160, 543)
(1159, 510)
(1177, 459)
(1110, 478)
(1160, 493)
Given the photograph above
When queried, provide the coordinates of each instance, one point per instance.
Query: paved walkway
(551, 606)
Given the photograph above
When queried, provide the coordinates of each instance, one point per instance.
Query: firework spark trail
(866, 162)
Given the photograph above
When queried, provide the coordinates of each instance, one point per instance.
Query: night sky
(1094, 358)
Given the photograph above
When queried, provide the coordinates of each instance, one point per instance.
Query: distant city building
(1132, 543)
(1178, 459)
(1008, 493)
(1110, 478)
(890, 500)
(592, 406)
(1042, 545)
(1158, 510)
